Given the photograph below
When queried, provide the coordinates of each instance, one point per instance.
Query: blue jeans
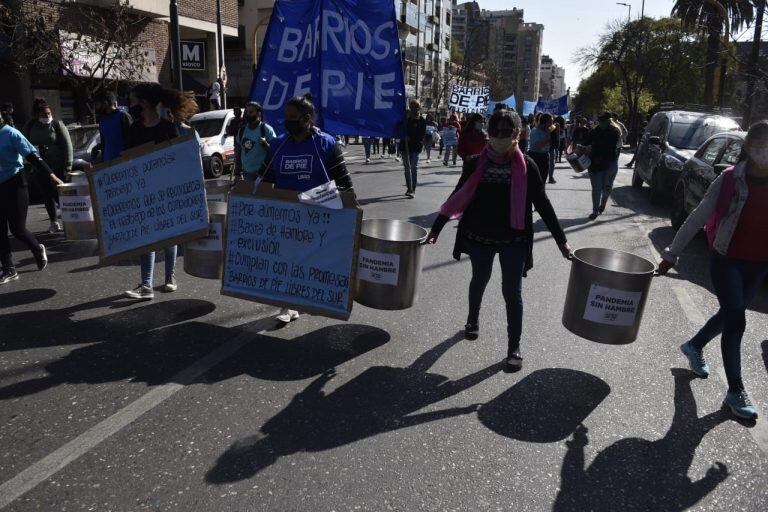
(736, 283)
(411, 167)
(602, 185)
(449, 148)
(552, 157)
(148, 265)
(512, 259)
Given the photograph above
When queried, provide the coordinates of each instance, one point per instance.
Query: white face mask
(46, 120)
(759, 155)
(501, 144)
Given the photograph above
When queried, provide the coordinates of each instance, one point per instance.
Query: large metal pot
(76, 211)
(389, 265)
(606, 295)
(217, 190)
(204, 257)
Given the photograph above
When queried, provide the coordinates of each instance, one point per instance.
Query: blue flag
(510, 102)
(346, 53)
(529, 107)
(556, 107)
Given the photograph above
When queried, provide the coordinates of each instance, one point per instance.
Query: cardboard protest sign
(346, 53)
(279, 250)
(469, 99)
(149, 198)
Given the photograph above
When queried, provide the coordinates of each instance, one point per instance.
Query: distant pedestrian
(450, 134)
(429, 136)
(493, 200)
(540, 143)
(562, 136)
(411, 146)
(367, 145)
(6, 112)
(554, 142)
(375, 147)
(214, 95)
(439, 131)
(473, 138)
(252, 143)
(525, 134)
(114, 125)
(734, 213)
(14, 199)
(603, 149)
(51, 138)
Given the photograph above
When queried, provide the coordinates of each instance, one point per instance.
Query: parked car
(713, 157)
(85, 139)
(217, 145)
(670, 139)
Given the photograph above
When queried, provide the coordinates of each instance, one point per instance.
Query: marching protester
(473, 138)
(580, 132)
(14, 198)
(525, 134)
(540, 142)
(602, 146)
(735, 217)
(154, 127)
(450, 136)
(367, 144)
(429, 136)
(375, 146)
(323, 155)
(562, 134)
(411, 145)
(214, 95)
(252, 142)
(439, 136)
(494, 199)
(51, 138)
(114, 125)
(554, 142)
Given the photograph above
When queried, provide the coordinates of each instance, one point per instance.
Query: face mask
(414, 111)
(478, 126)
(252, 119)
(46, 120)
(759, 156)
(135, 111)
(603, 124)
(293, 127)
(500, 144)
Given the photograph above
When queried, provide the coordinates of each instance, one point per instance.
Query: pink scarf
(455, 206)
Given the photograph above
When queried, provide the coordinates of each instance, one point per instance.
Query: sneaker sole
(690, 366)
(738, 414)
(6, 281)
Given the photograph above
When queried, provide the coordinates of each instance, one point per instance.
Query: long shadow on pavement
(379, 400)
(22, 297)
(765, 354)
(637, 474)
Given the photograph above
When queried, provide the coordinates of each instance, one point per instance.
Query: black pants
(14, 200)
(542, 162)
(49, 191)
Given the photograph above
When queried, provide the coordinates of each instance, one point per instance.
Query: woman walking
(473, 139)
(494, 199)
(322, 155)
(734, 213)
(450, 136)
(14, 198)
(153, 126)
(540, 145)
(53, 143)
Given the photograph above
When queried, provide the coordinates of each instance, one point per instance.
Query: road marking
(689, 307)
(85, 442)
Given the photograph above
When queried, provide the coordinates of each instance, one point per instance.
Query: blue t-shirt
(252, 153)
(301, 165)
(111, 128)
(14, 148)
(537, 135)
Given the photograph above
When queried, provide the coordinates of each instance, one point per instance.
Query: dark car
(713, 157)
(670, 139)
(85, 145)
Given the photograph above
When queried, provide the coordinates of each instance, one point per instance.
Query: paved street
(196, 402)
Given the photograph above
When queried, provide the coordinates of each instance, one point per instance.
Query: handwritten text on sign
(469, 99)
(151, 198)
(611, 307)
(289, 252)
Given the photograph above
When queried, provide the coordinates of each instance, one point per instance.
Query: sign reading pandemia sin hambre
(346, 53)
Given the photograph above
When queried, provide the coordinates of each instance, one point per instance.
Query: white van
(217, 145)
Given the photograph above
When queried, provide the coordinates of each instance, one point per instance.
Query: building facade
(552, 79)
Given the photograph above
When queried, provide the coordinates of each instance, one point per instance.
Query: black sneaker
(552, 181)
(513, 363)
(41, 258)
(471, 331)
(8, 275)
(593, 216)
(141, 292)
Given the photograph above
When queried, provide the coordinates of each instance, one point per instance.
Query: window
(448, 19)
(709, 154)
(732, 153)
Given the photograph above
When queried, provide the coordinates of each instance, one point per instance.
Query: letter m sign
(193, 55)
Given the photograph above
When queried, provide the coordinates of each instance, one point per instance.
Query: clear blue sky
(571, 24)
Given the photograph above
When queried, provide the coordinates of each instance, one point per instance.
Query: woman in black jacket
(494, 199)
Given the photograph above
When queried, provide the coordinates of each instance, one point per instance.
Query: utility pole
(220, 49)
(754, 63)
(418, 44)
(175, 46)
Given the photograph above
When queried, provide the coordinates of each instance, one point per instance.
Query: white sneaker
(140, 292)
(428, 160)
(397, 158)
(55, 227)
(382, 156)
(287, 315)
(367, 160)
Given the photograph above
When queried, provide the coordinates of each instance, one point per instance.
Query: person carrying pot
(734, 213)
(14, 198)
(304, 146)
(494, 199)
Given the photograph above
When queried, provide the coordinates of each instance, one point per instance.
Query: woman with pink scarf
(494, 199)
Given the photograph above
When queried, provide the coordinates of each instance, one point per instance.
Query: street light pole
(220, 48)
(175, 45)
(629, 10)
(754, 64)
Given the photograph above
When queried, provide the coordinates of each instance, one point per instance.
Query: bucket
(389, 265)
(217, 190)
(76, 211)
(204, 257)
(77, 177)
(606, 295)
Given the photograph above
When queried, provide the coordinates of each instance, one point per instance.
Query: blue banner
(529, 107)
(346, 53)
(510, 102)
(556, 107)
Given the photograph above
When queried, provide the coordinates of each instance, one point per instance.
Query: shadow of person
(546, 406)
(637, 474)
(765, 354)
(22, 297)
(379, 400)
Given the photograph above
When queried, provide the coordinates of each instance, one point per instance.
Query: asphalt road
(195, 402)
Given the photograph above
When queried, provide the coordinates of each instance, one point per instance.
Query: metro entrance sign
(193, 55)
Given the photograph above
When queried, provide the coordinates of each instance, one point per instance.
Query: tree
(710, 16)
(89, 47)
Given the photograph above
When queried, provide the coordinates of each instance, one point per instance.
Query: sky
(572, 24)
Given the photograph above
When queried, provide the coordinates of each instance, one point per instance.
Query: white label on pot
(76, 208)
(216, 198)
(378, 267)
(612, 307)
(212, 242)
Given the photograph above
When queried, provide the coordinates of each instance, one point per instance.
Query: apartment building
(552, 79)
